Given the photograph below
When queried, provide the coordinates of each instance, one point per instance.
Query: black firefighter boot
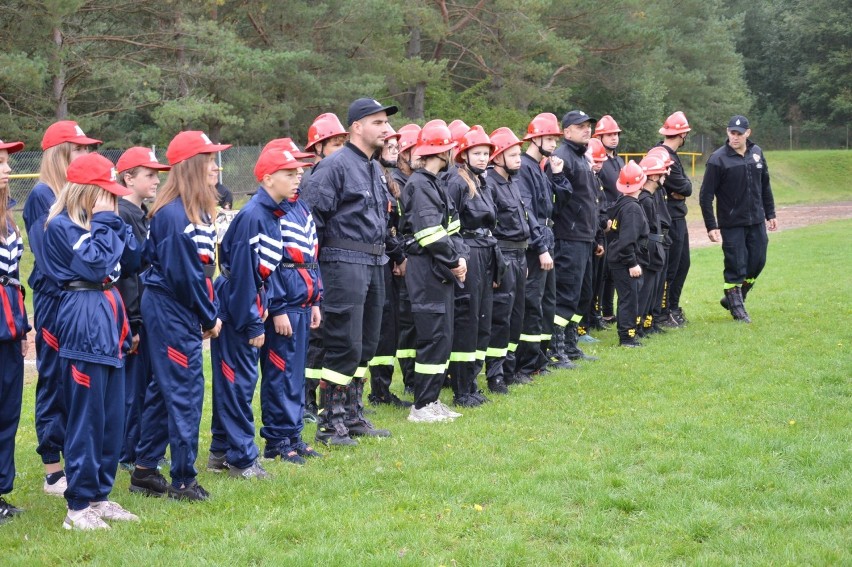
(462, 387)
(734, 296)
(556, 355)
(745, 289)
(311, 409)
(356, 423)
(331, 427)
(571, 350)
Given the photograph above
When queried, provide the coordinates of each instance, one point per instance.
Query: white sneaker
(113, 511)
(85, 519)
(447, 411)
(427, 414)
(57, 488)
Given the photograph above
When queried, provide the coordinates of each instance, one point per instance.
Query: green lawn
(718, 444)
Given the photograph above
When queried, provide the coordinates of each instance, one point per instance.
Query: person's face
(372, 130)
(212, 170)
(512, 157)
(737, 140)
(5, 169)
(144, 184)
(416, 162)
(610, 141)
(283, 184)
(390, 151)
(333, 144)
(477, 156)
(79, 151)
(548, 143)
(579, 133)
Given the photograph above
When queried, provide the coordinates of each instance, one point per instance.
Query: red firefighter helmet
(544, 124)
(458, 129)
(662, 153)
(408, 137)
(597, 150)
(631, 178)
(434, 138)
(503, 139)
(653, 165)
(393, 133)
(476, 136)
(325, 126)
(606, 125)
(675, 124)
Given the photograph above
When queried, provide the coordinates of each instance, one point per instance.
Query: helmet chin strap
(475, 170)
(542, 151)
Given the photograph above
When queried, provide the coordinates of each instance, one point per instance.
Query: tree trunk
(414, 103)
(60, 97)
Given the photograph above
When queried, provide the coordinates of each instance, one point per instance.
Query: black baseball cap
(576, 117)
(738, 124)
(367, 106)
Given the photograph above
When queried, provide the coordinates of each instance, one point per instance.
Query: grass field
(717, 444)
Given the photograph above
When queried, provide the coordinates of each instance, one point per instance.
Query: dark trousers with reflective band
(313, 370)
(352, 313)
(282, 386)
(648, 293)
(234, 364)
(573, 265)
(137, 369)
(381, 365)
(472, 317)
(406, 350)
(11, 393)
(679, 262)
(528, 355)
(50, 400)
(628, 301)
(174, 334)
(432, 310)
(745, 252)
(94, 398)
(507, 316)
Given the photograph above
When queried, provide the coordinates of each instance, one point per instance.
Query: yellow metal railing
(692, 155)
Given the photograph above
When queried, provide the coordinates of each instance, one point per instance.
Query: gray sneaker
(216, 462)
(253, 471)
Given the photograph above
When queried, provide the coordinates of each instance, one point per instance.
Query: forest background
(246, 71)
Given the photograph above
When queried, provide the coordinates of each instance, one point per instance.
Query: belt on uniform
(478, 233)
(292, 266)
(82, 285)
(6, 280)
(355, 246)
(656, 237)
(513, 244)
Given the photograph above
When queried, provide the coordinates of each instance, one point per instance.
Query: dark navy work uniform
(627, 249)
(50, 401)
(608, 176)
(249, 253)
(294, 288)
(13, 328)
(677, 185)
(94, 336)
(178, 304)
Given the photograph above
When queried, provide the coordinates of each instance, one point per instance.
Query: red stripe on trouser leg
(50, 339)
(177, 357)
(228, 372)
(279, 362)
(7, 312)
(79, 377)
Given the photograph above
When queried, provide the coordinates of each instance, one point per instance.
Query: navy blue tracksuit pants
(177, 390)
(50, 400)
(137, 369)
(11, 393)
(94, 398)
(234, 364)
(282, 386)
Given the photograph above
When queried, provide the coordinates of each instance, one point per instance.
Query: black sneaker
(479, 396)
(497, 386)
(8, 511)
(305, 450)
(518, 378)
(630, 343)
(390, 399)
(192, 492)
(466, 401)
(216, 463)
(152, 484)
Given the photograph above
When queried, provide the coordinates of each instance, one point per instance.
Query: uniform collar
(576, 148)
(265, 200)
(356, 151)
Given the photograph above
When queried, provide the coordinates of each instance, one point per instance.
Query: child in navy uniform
(295, 291)
(13, 334)
(85, 243)
(655, 272)
(628, 250)
(138, 170)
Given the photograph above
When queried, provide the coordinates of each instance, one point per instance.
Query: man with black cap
(347, 196)
(577, 231)
(737, 176)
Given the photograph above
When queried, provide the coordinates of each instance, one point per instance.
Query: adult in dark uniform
(737, 177)
(347, 196)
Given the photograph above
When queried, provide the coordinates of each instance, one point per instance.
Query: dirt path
(789, 217)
